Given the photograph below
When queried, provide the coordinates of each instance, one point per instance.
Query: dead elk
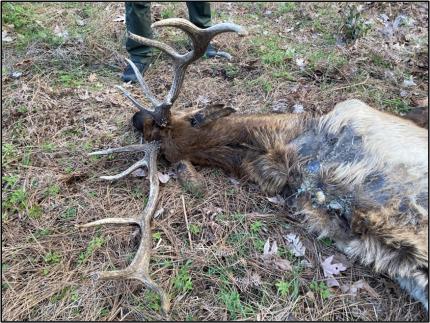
(356, 175)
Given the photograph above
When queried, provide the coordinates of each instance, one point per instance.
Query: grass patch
(27, 25)
(96, 243)
(52, 258)
(398, 105)
(182, 282)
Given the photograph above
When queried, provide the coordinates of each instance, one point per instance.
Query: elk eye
(197, 119)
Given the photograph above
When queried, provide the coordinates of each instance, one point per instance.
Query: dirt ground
(60, 63)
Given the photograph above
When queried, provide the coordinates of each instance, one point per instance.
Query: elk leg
(189, 178)
(417, 286)
(272, 170)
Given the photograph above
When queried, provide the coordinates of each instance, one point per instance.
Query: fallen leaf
(92, 78)
(234, 181)
(403, 93)
(271, 258)
(409, 82)
(84, 96)
(331, 269)
(140, 172)
(60, 32)
(270, 250)
(80, 22)
(158, 213)
(311, 295)
(164, 178)
(5, 37)
(24, 62)
(332, 282)
(212, 210)
(300, 62)
(282, 264)
(15, 75)
(355, 287)
(279, 200)
(25, 87)
(295, 245)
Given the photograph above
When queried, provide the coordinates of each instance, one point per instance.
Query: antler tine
(139, 267)
(143, 85)
(200, 39)
(131, 98)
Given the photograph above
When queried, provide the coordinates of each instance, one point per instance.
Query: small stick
(186, 222)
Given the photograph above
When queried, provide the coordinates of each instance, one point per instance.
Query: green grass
(71, 79)
(167, 12)
(289, 287)
(8, 153)
(27, 25)
(285, 7)
(52, 258)
(195, 228)
(40, 233)
(48, 147)
(52, 190)
(15, 201)
(354, 25)
(269, 50)
(256, 226)
(35, 212)
(182, 282)
(96, 243)
(235, 307)
(379, 60)
(156, 235)
(398, 105)
(326, 241)
(10, 180)
(321, 289)
(330, 58)
(69, 213)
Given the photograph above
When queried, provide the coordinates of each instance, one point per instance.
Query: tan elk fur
(357, 175)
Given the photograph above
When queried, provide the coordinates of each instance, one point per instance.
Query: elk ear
(211, 113)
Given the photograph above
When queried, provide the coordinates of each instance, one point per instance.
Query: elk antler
(139, 267)
(200, 39)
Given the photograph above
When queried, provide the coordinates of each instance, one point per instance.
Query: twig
(347, 86)
(186, 222)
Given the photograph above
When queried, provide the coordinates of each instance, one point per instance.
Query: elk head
(150, 122)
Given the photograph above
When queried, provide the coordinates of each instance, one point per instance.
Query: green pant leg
(138, 21)
(199, 13)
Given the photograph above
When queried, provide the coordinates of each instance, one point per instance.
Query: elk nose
(137, 120)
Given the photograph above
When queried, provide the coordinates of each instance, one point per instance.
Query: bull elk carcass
(356, 175)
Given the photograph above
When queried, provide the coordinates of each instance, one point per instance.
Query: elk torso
(357, 175)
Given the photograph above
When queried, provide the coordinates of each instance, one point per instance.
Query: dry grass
(55, 113)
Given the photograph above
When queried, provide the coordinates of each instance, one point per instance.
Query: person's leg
(138, 21)
(199, 13)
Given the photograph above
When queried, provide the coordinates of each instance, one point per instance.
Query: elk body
(356, 175)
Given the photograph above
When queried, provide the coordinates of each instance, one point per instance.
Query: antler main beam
(200, 39)
(139, 267)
